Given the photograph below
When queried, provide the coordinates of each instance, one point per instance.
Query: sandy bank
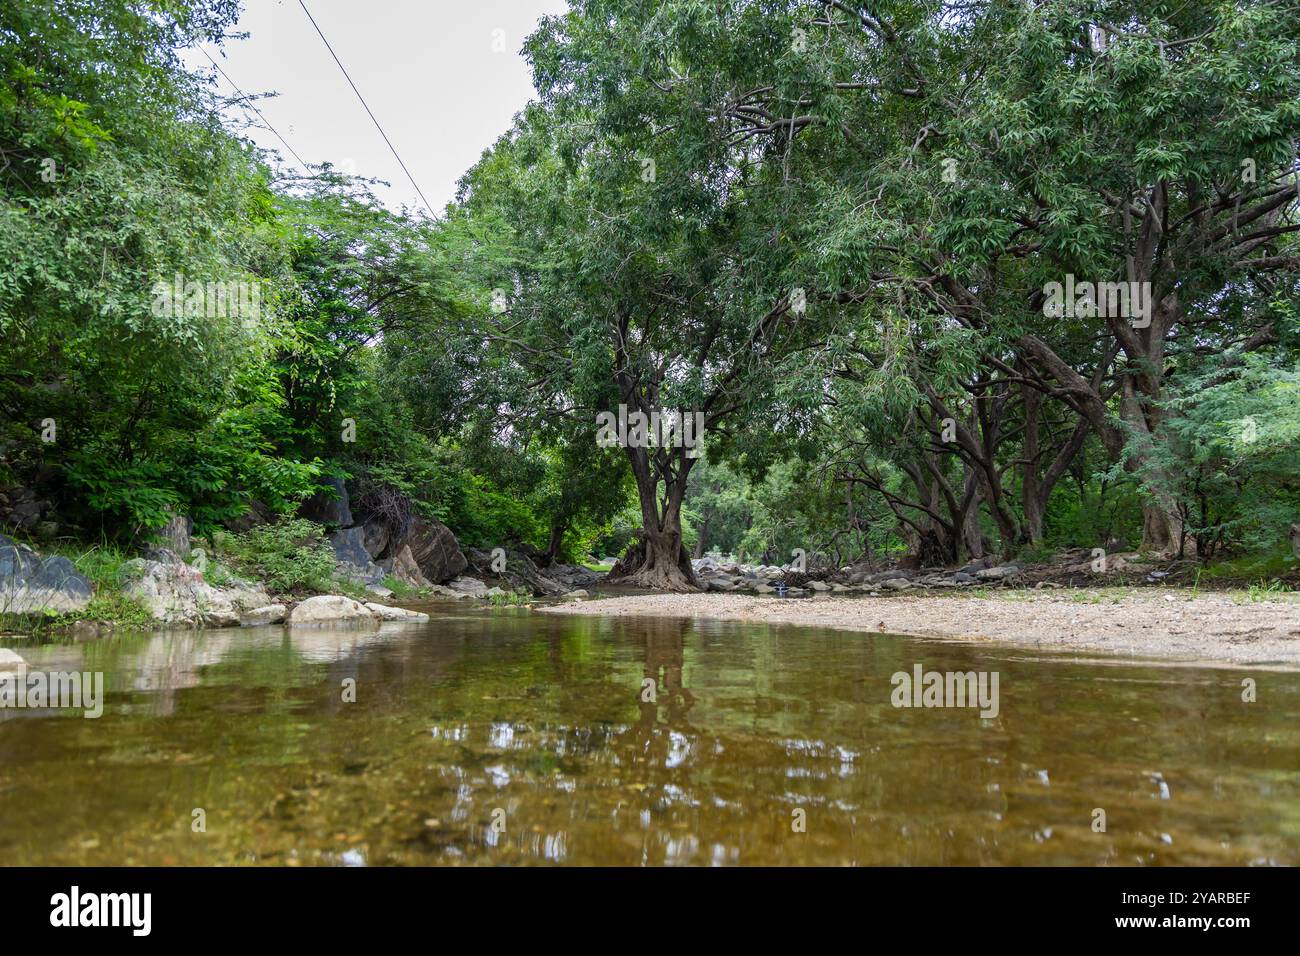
(1147, 624)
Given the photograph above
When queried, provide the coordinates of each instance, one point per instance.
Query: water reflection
(516, 738)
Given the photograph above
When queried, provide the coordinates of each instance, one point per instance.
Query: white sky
(427, 68)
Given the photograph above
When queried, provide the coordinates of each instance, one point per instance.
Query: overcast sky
(427, 68)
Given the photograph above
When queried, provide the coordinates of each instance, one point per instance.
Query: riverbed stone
(387, 613)
(332, 610)
(268, 614)
(30, 583)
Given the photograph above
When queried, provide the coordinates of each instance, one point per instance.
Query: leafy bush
(290, 555)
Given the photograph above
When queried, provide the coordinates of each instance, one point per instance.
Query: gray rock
(270, 614)
(177, 595)
(30, 583)
(387, 613)
(573, 576)
(576, 595)
(881, 576)
(332, 610)
(999, 573)
(466, 587)
(402, 566)
(353, 559)
(376, 537)
(896, 584)
(329, 507)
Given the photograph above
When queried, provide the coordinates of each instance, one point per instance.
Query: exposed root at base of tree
(647, 566)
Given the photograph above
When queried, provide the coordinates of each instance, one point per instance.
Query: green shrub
(290, 555)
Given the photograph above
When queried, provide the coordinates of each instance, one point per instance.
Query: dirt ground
(1147, 623)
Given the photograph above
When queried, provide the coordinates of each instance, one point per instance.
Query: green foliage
(287, 556)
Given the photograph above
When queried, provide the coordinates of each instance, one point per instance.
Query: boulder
(573, 576)
(435, 550)
(376, 536)
(332, 610)
(576, 595)
(30, 583)
(896, 584)
(176, 594)
(402, 566)
(269, 614)
(466, 587)
(329, 506)
(353, 559)
(999, 573)
(882, 576)
(387, 613)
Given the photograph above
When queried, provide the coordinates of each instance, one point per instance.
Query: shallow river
(507, 737)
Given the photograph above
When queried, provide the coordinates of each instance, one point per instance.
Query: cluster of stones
(715, 575)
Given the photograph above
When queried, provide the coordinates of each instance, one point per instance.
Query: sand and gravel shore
(1146, 623)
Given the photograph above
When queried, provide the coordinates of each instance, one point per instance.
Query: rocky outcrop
(23, 509)
(329, 506)
(434, 549)
(176, 595)
(353, 560)
(404, 569)
(32, 584)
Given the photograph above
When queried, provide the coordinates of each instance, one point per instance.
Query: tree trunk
(658, 559)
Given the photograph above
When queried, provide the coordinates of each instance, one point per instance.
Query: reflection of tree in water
(666, 715)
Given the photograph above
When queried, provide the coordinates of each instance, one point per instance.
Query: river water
(509, 737)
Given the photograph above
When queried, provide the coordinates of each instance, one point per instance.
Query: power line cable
(427, 205)
(253, 106)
